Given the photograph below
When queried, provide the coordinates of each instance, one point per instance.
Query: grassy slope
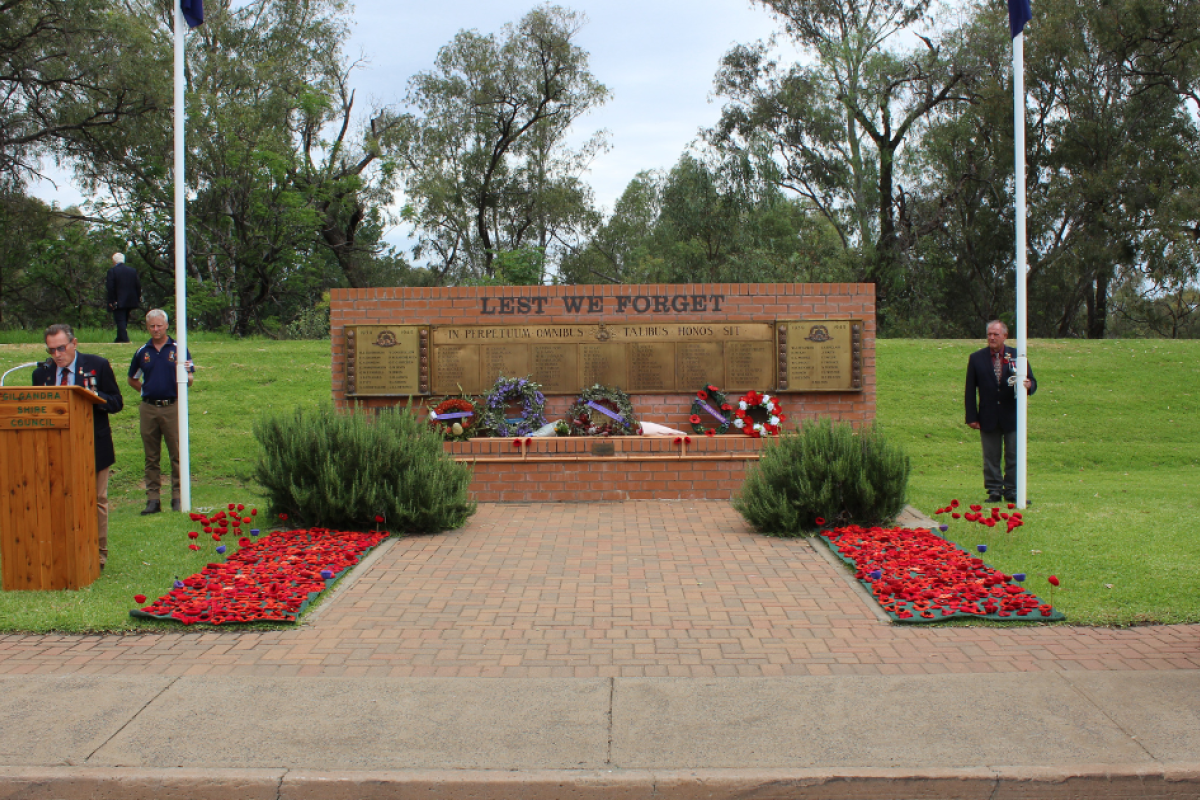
(1114, 467)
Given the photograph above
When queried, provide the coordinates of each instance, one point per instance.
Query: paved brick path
(633, 589)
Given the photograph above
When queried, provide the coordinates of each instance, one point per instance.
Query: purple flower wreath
(533, 407)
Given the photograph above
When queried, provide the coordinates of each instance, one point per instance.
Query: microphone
(23, 366)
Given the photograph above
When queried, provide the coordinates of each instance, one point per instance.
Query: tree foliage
(485, 166)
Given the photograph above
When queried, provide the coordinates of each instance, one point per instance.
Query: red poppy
(702, 395)
(139, 598)
(516, 442)
(283, 517)
(819, 520)
(231, 506)
(726, 407)
(955, 515)
(1053, 580)
(954, 504)
(710, 432)
(378, 518)
(678, 440)
(193, 547)
(687, 440)
(254, 512)
(240, 507)
(193, 535)
(694, 419)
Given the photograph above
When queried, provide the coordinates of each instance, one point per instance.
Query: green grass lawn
(1114, 466)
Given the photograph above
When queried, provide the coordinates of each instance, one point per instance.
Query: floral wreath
(603, 411)
(767, 419)
(451, 413)
(709, 406)
(533, 407)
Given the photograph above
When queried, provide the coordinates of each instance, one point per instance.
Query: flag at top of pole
(1019, 12)
(193, 11)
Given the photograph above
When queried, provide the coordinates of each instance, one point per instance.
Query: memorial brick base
(590, 469)
(810, 345)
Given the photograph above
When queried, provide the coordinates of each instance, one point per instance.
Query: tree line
(883, 154)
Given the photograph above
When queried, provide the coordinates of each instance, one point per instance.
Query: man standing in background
(123, 288)
(67, 367)
(991, 403)
(152, 372)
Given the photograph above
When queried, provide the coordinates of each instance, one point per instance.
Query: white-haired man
(123, 288)
(152, 373)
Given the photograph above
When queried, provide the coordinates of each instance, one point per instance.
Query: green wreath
(709, 407)
(603, 411)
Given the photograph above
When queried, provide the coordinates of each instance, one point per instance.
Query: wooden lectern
(48, 537)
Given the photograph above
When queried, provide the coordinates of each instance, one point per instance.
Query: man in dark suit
(991, 402)
(124, 292)
(67, 367)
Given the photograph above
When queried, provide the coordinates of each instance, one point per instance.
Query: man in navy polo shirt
(152, 372)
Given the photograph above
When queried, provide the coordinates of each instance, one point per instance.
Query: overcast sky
(657, 58)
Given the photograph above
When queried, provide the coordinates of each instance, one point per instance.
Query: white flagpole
(181, 348)
(1022, 352)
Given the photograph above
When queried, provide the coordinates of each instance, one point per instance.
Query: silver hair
(118, 258)
(997, 322)
(157, 312)
(57, 328)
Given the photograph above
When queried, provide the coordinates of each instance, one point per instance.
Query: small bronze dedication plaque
(820, 355)
(387, 360)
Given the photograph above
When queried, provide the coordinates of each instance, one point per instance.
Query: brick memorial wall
(667, 339)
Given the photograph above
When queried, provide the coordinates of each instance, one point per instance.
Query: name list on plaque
(659, 358)
(820, 355)
(384, 360)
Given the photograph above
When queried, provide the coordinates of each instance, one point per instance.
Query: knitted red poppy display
(917, 576)
(268, 579)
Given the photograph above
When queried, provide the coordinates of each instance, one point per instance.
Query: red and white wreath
(758, 415)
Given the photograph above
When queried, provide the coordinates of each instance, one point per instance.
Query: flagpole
(181, 348)
(1022, 351)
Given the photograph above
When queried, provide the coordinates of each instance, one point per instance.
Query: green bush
(826, 471)
(343, 469)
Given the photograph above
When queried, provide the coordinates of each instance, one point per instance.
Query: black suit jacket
(990, 403)
(123, 287)
(106, 386)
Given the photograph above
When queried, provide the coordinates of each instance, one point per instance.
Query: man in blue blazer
(991, 403)
(67, 367)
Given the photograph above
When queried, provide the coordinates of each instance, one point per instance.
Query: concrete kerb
(1096, 782)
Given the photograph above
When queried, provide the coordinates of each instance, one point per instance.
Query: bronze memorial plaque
(669, 357)
(509, 360)
(604, 364)
(555, 367)
(651, 367)
(749, 365)
(699, 364)
(820, 355)
(456, 370)
(387, 360)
